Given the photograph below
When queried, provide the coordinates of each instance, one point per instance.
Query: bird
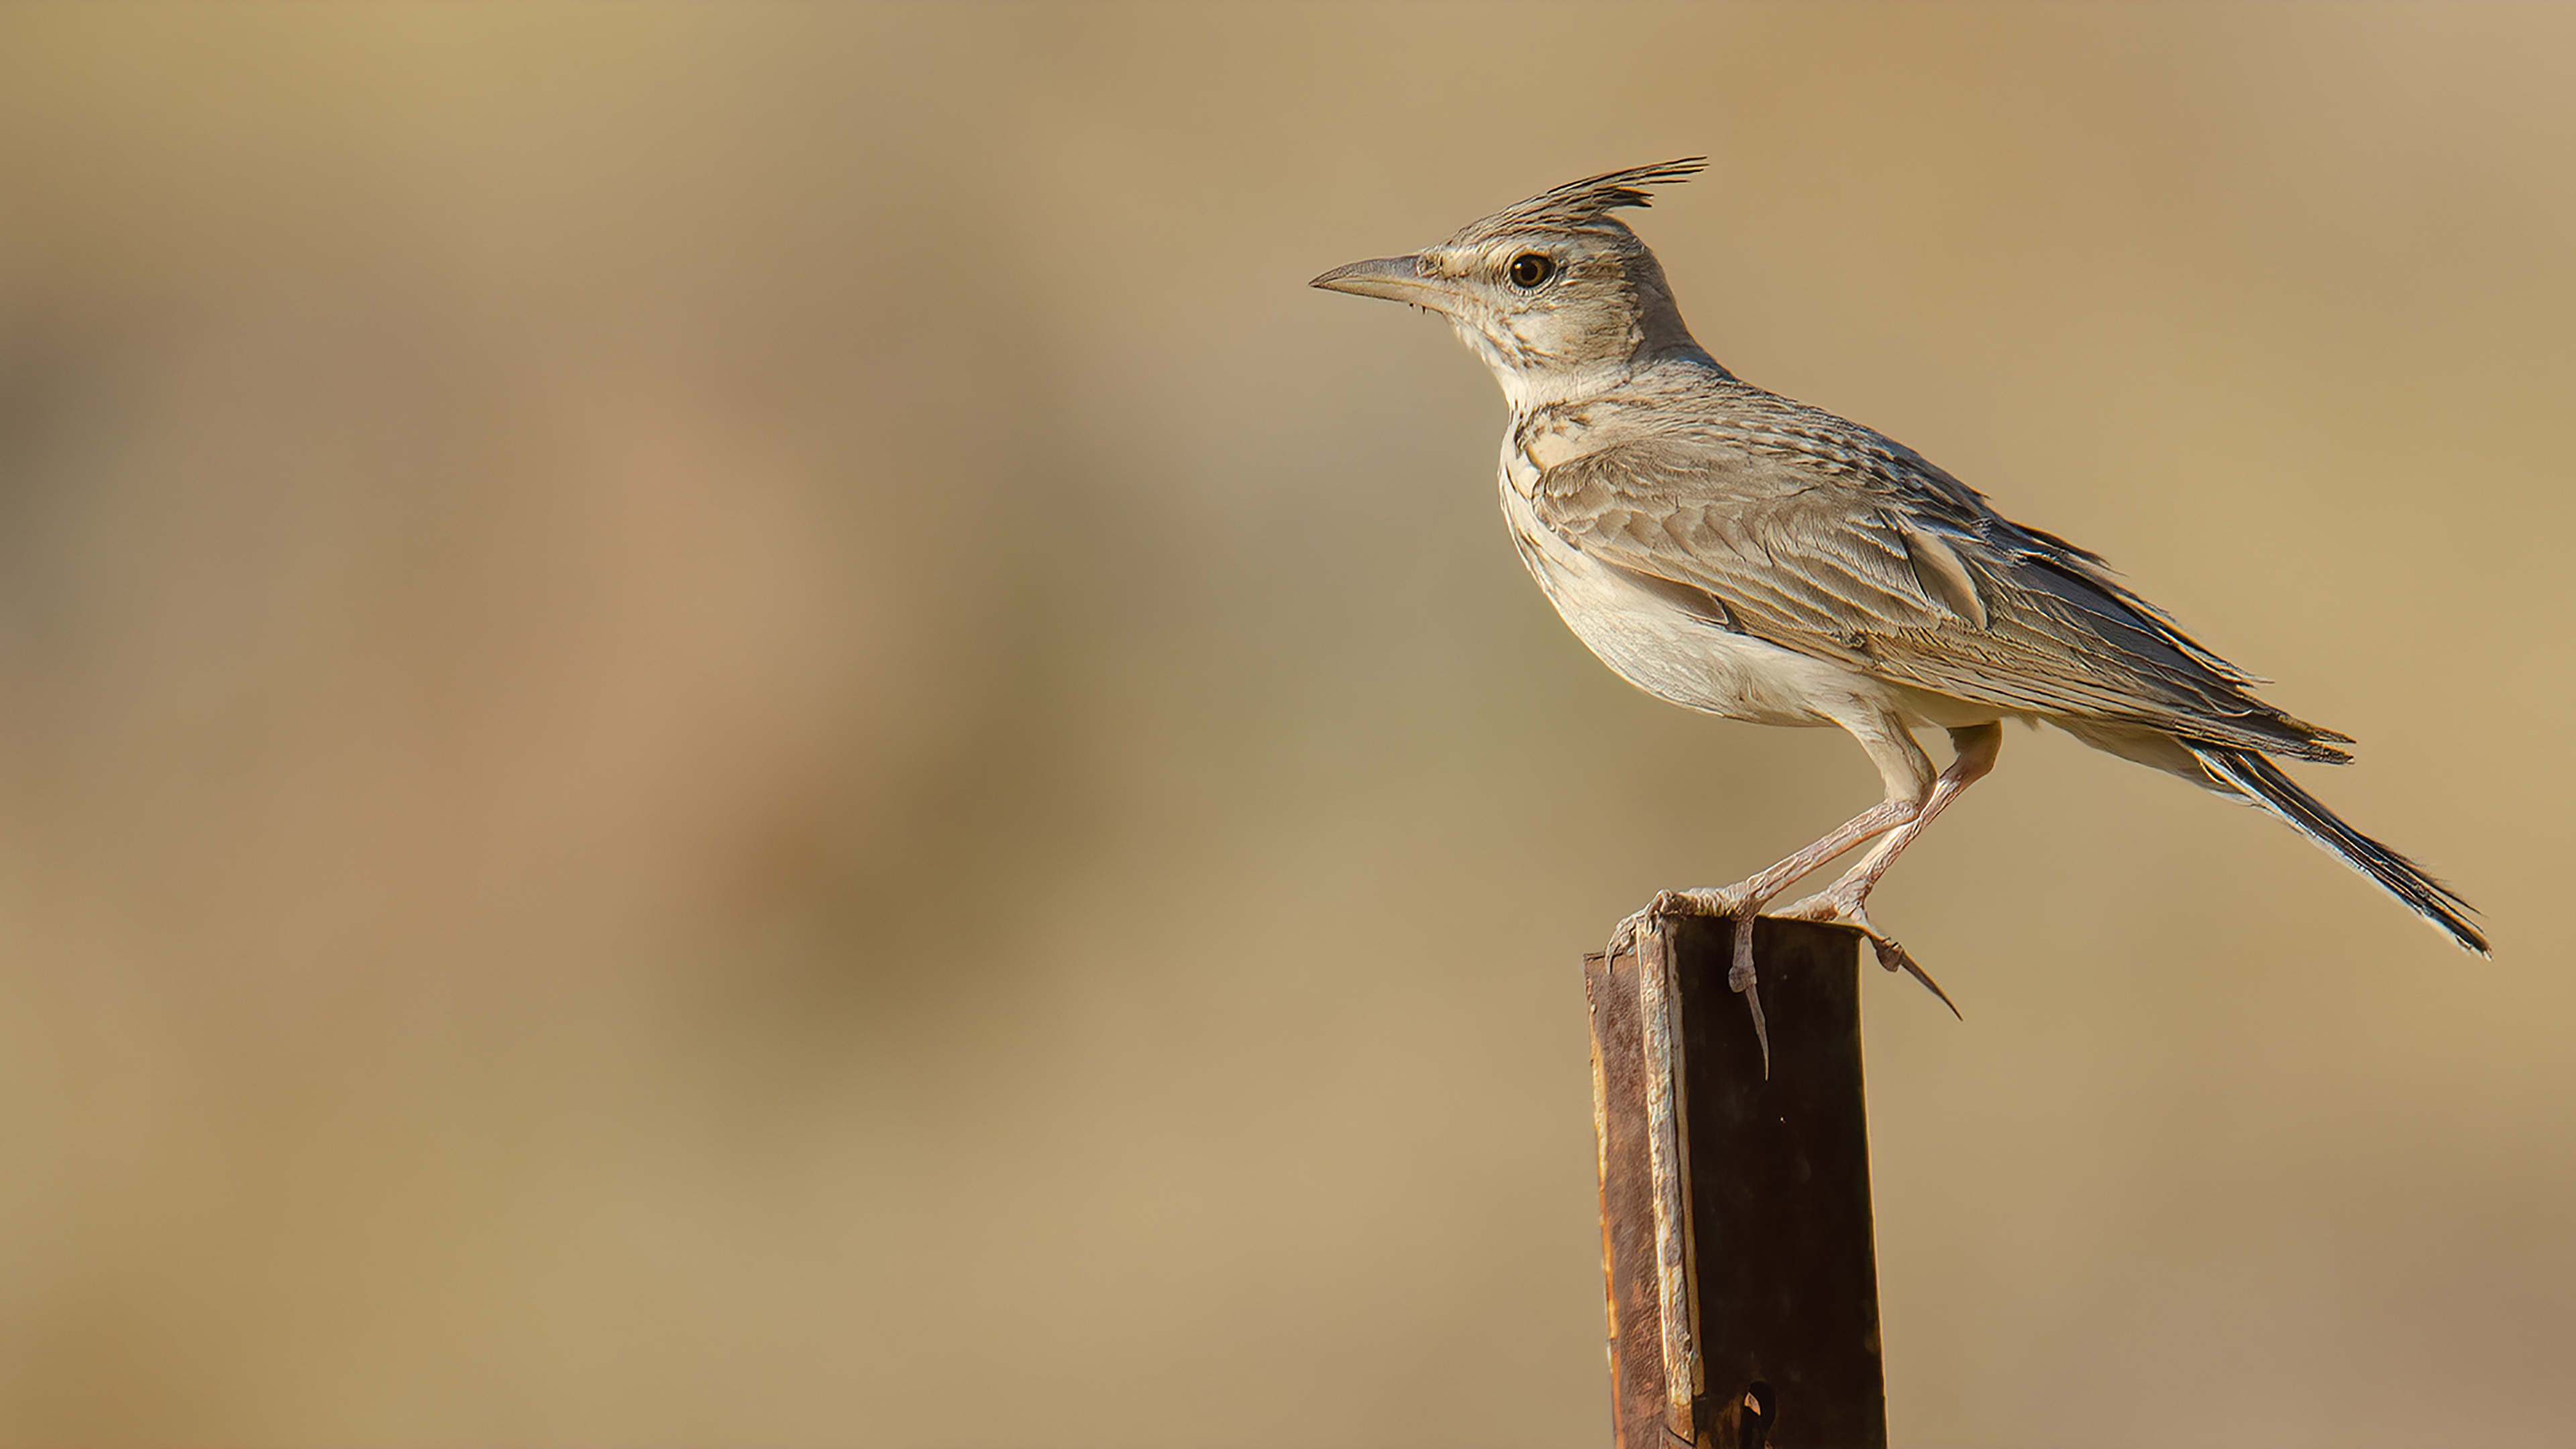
(1735, 552)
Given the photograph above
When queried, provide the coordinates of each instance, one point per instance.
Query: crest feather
(1579, 204)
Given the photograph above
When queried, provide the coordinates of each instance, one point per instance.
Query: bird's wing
(1852, 549)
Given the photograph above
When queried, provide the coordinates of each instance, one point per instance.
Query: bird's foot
(1842, 905)
(1703, 901)
(1737, 901)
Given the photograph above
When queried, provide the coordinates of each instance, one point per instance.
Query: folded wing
(1836, 543)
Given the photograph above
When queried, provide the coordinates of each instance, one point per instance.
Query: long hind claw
(1894, 957)
(1841, 907)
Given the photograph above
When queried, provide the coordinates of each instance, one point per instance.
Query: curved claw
(1623, 937)
(1893, 957)
(1761, 1033)
(1740, 978)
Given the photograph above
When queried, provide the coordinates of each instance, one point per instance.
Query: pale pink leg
(1910, 790)
(1847, 899)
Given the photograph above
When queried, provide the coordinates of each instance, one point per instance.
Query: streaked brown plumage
(1735, 552)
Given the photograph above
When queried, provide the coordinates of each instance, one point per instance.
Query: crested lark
(1732, 551)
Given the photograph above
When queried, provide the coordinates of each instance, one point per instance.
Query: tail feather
(2262, 782)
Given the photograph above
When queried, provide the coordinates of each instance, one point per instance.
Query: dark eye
(1529, 269)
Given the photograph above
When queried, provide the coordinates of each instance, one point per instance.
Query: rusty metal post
(1736, 1240)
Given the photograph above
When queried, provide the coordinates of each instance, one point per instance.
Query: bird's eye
(1529, 269)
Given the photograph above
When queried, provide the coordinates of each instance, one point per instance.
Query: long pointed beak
(1397, 279)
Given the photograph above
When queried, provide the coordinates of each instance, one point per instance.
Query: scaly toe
(1699, 901)
(1623, 937)
(1828, 905)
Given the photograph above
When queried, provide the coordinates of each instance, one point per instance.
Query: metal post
(1735, 1218)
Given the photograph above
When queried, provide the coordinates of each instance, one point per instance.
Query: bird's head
(1556, 294)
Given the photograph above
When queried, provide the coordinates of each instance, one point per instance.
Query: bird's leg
(1746, 898)
(1908, 777)
(1847, 899)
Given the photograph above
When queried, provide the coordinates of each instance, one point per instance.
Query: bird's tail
(2261, 781)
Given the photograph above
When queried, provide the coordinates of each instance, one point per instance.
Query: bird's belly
(1677, 656)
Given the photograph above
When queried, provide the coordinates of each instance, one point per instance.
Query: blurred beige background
(736, 726)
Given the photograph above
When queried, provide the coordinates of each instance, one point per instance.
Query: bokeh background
(735, 725)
